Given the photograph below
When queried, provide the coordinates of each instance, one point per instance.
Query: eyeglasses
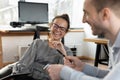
(56, 26)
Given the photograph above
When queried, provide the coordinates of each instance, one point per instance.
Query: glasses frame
(56, 26)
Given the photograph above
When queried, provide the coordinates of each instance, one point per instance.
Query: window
(8, 11)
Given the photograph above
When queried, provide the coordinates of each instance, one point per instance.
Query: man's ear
(105, 14)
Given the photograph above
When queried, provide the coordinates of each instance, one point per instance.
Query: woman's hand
(59, 46)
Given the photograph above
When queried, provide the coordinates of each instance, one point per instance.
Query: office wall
(76, 39)
(10, 46)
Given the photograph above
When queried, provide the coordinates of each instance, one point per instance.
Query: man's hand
(74, 63)
(54, 71)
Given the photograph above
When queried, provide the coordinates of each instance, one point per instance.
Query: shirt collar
(117, 42)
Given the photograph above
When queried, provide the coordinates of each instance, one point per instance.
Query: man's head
(112, 4)
(100, 14)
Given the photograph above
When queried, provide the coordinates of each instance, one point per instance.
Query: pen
(46, 66)
(64, 55)
(61, 53)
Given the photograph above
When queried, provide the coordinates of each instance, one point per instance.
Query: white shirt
(114, 73)
(114, 52)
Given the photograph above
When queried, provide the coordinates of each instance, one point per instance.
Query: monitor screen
(33, 12)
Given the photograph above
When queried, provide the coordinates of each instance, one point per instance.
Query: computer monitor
(31, 12)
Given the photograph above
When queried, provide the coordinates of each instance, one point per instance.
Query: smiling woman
(42, 52)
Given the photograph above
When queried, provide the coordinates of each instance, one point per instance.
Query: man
(104, 18)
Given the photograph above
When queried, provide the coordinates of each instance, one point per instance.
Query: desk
(99, 42)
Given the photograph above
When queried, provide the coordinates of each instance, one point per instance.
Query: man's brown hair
(100, 4)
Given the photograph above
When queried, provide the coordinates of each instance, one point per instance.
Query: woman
(42, 52)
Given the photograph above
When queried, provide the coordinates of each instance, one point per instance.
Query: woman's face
(58, 28)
